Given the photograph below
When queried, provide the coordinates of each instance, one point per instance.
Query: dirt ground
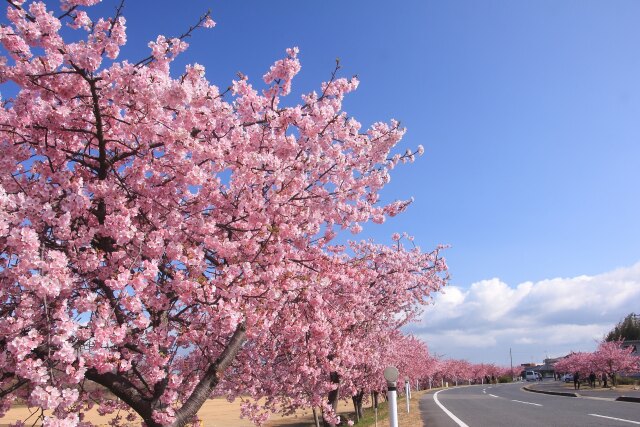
(214, 413)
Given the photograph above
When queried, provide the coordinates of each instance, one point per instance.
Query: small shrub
(628, 380)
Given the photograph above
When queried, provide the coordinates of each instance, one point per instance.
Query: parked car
(530, 376)
(567, 378)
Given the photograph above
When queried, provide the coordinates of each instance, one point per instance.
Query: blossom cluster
(162, 239)
(611, 358)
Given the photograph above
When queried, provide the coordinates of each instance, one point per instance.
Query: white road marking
(617, 419)
(528, 403)
(492, 395)
(448, 412)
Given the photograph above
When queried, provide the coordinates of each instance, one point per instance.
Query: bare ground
(222, 413)
(214, 413)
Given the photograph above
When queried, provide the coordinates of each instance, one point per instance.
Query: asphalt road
(509, 406)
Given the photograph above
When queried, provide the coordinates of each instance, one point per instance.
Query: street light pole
(391, 375)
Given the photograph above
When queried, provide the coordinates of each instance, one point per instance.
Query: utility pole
(511, 358)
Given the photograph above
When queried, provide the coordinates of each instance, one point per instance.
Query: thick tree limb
(211, 378)
(124, 390)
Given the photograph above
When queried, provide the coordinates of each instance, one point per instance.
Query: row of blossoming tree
(611, 358)
(162, 241)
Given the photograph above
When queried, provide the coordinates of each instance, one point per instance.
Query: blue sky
(528, 112)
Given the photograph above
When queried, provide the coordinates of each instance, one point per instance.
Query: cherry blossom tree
(579, 362)
(415, 362)
(481, 371)
(340, 341)
(455, 370)
(160, 235)
(612, 358)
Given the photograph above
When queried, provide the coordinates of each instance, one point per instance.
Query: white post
(391, 375)
(407, 389)
(393, 408)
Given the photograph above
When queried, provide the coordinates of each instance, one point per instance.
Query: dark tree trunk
(334, 396)
(357, 403)
(316, 419)
(355, 407)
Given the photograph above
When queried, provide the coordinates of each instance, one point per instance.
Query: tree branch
(211, 378)
(124, 390)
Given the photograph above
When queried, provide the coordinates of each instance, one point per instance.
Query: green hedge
(505, 379)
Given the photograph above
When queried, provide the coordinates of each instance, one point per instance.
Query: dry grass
(585, 387)
(214, 413)
(221, 413)
(414, 417)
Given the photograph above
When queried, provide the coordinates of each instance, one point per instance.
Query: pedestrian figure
(576, 381)
(592, 379)
(493, 379)
(604, 380)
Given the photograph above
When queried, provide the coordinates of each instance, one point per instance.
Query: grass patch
(412, 419)
(369, 418)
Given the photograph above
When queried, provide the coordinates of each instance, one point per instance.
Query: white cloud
(550, 317)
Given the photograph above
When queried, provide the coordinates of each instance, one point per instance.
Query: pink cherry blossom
(160, 236)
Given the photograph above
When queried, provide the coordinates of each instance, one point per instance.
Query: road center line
(492, 395)
(528, 403)
(617, 419)
(448, 412)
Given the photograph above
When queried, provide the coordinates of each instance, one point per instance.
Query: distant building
(552, 361)
(546, 370)
(528, 365)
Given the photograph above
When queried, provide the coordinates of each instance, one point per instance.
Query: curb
(566, 394)
(555, 393)
(628, 399)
